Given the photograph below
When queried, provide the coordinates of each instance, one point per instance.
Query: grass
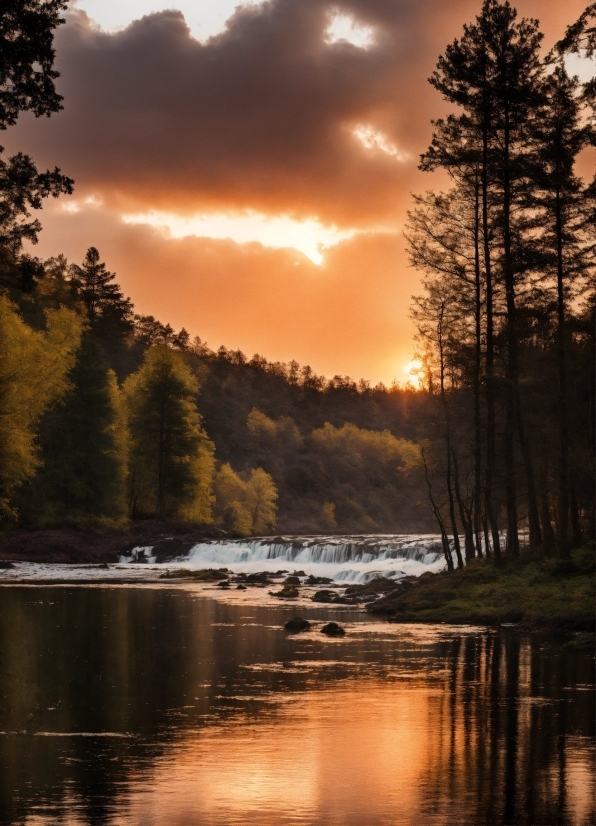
(534, 590)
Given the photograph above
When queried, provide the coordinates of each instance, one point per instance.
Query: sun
(413, 369)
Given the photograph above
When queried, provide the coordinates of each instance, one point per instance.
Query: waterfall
(342, 558)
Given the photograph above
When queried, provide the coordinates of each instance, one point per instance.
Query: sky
(246, 170)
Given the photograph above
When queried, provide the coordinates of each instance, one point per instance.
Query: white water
(341, 558)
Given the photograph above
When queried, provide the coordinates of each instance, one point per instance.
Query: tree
(245, 506)
(494, 74)
(102, 297)
(171, 457)
(27, 57)
(84, 448)
(34, 367)
(27, 84)
(565, 253)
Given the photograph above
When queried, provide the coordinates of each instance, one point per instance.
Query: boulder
(332, 629)
(297, 624)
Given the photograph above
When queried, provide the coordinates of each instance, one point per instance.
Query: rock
(263, 577)
(325, 596)
(241, 587)
(224, 584)
(318, 580)
(297, 624)
(292, 580)
(299, 573)
(332, 629)
(287, 592)
(4, 565)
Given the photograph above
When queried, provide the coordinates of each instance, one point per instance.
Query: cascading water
(342, 558)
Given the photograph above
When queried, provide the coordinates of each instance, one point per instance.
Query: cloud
(266, 119)
(261, 116)
(268, 115)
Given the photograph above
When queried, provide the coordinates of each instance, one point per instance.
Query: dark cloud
(258, 117)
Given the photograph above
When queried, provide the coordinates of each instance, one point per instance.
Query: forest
(108, 416)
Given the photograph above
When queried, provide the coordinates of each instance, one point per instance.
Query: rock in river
(297, 624)
(332, 629)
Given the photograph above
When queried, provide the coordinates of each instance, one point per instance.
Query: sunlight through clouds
(309, 237)
(371, 138)
(205, 18)
(344, 27)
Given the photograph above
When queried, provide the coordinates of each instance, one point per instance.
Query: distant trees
(507, 253)
(245, 506)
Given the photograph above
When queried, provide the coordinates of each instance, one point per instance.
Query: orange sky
(266, 119)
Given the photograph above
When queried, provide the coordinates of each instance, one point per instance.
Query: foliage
(83, 449)
(26, 58)
(27, 84)
(171, 457)
(34, 367)
(245, 506)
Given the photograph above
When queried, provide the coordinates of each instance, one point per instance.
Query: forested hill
(275, 446)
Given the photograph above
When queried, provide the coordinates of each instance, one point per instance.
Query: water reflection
(153, 705)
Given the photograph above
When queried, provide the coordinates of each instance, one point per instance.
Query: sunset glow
(345, 28)
(309, 237)
(224, 183)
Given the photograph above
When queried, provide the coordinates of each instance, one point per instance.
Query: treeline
(117, 434)
(506, 320)
(107, 415)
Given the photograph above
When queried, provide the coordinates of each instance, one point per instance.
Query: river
(166, 703)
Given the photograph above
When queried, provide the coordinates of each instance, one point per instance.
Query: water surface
(162, 705)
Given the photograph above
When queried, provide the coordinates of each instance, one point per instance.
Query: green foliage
(245, 506)
(171, 457)
(34, 369)
(84, 450)
(362, 474)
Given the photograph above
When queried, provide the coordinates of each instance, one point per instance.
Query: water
(144, 705)
(342, 558)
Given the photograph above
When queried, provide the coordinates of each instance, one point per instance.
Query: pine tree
(171, 457)
(105, 303)
(493, 73)
(84, 448)
(564, 251)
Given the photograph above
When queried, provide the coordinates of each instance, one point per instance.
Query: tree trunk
(533, 515)
(512, 355)
(563, 528)
(438, 517)
(490, 357)
(467, 525)
(477, 370)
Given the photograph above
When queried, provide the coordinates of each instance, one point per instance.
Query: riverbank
(534, 591)
(74, 545)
